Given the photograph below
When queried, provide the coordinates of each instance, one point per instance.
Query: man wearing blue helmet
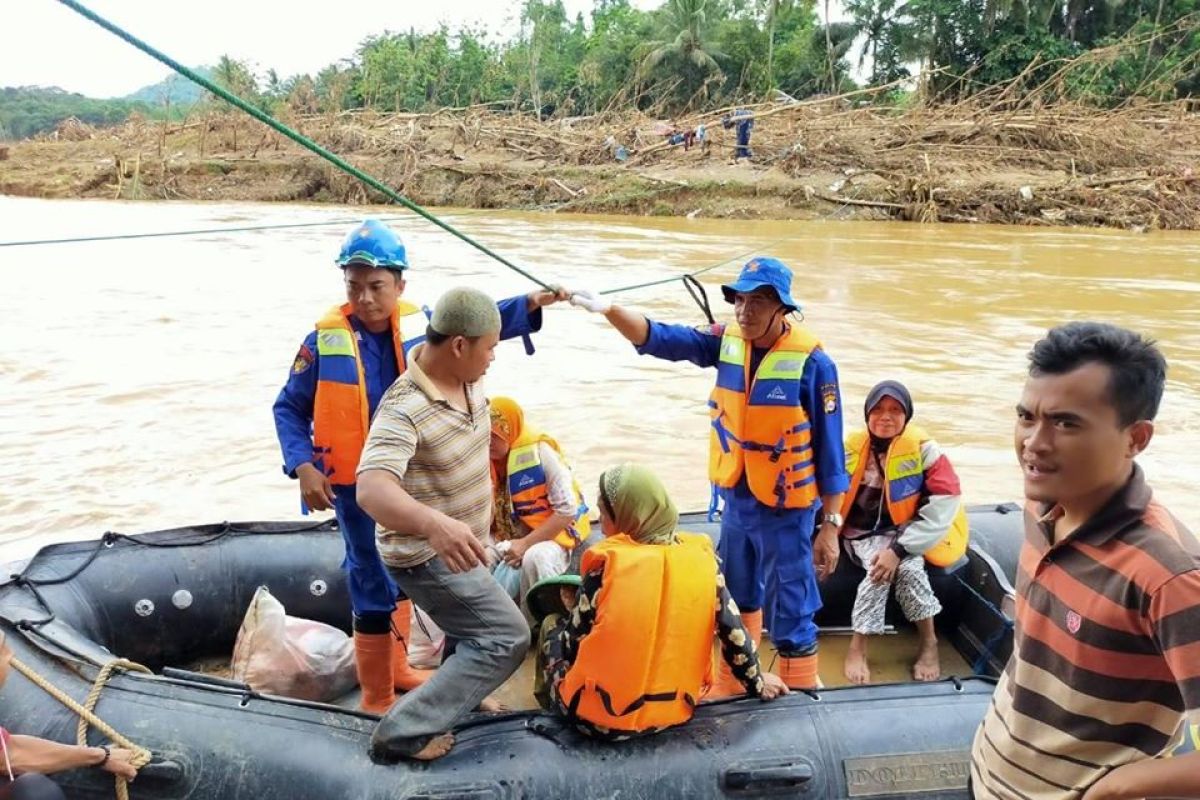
(322, 415)
(775, 455)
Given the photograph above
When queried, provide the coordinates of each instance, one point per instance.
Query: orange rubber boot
(727, 684)
(799, 672)
(404, 677)
(373, 663)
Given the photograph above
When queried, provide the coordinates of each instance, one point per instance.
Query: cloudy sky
(45, 43)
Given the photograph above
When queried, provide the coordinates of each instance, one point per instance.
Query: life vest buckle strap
(724, 436)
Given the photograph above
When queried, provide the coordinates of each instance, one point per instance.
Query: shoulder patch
(715, 329)
(829, 398)
(304, 359)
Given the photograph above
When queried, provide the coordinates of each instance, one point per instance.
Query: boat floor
(889, 657)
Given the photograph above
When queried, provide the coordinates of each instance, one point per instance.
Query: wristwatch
(835, 520)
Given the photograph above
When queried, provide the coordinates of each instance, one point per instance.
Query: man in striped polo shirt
(424, 477)
(1106, 657)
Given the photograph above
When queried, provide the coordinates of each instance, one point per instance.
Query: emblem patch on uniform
(829, 398)
(1074, 621)
(304, 360)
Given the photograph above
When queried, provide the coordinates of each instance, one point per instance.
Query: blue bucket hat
(759, 272)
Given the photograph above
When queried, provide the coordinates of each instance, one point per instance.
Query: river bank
(1129, 169)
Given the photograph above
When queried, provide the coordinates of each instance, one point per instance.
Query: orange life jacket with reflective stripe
(759, 425)
(650, 651)
(904, 480)
(340, 409)
(530, 496)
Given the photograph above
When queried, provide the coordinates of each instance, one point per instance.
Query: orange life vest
(650, 651)
(340, 409)
(759, 425)
(904, 478)
(530, 497)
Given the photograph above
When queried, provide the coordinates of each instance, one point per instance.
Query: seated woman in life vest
(604, 667)
(903, 509)
(26, 760)
(540, 515)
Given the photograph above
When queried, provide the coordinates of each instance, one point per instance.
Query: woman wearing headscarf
(540, 515)
(904, 508)
(635, 653)
(25, 761)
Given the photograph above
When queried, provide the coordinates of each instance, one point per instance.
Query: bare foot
(856, 669)
(438, 746)
(490, 705)
(927, 667)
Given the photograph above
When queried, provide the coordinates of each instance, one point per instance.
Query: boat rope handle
(86, 712)
(294, 135)
(700, 271)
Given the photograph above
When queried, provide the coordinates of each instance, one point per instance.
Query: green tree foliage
(689, 54)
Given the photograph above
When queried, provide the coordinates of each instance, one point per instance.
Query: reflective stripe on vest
(530, 495)
(630, 676)
(340, 408)
(904, 474)
(760, 427)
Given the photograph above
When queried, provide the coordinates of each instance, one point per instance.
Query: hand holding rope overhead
(596, 302)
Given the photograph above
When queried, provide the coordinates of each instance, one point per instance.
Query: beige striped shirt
(439, 453)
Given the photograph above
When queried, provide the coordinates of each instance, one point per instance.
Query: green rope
(701, 271)
(295, 136)
(199, 231)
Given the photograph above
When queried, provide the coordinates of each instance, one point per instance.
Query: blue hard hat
(759, 272)
(372, 244)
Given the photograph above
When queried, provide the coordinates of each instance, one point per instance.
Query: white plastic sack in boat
(426, 642)
(292, 657)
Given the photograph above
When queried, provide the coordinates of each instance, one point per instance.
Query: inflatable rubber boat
(170, 599)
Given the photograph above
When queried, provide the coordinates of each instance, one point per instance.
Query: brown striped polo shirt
(439, 453)
(1106, 656)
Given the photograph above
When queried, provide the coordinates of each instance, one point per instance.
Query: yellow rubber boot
(405, 678)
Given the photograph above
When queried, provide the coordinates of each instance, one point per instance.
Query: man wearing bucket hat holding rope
(775, 454)
(322, 415)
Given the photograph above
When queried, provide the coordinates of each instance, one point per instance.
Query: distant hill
(26, 111)
(29, 110)
(180, 90)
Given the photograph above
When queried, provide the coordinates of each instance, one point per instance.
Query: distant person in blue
(322, 416)
(775, 454)
(743, 120)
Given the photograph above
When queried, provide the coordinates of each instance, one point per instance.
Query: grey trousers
(492, 640)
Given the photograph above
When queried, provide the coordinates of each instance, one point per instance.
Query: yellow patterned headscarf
(508, 420)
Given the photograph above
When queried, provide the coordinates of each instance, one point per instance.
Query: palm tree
(236, 78)
(776, 10)
(884, 26)
(683, 39)
(829, 50)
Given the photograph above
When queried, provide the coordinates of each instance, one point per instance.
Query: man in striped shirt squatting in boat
(1106, 656)
(424, 476)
